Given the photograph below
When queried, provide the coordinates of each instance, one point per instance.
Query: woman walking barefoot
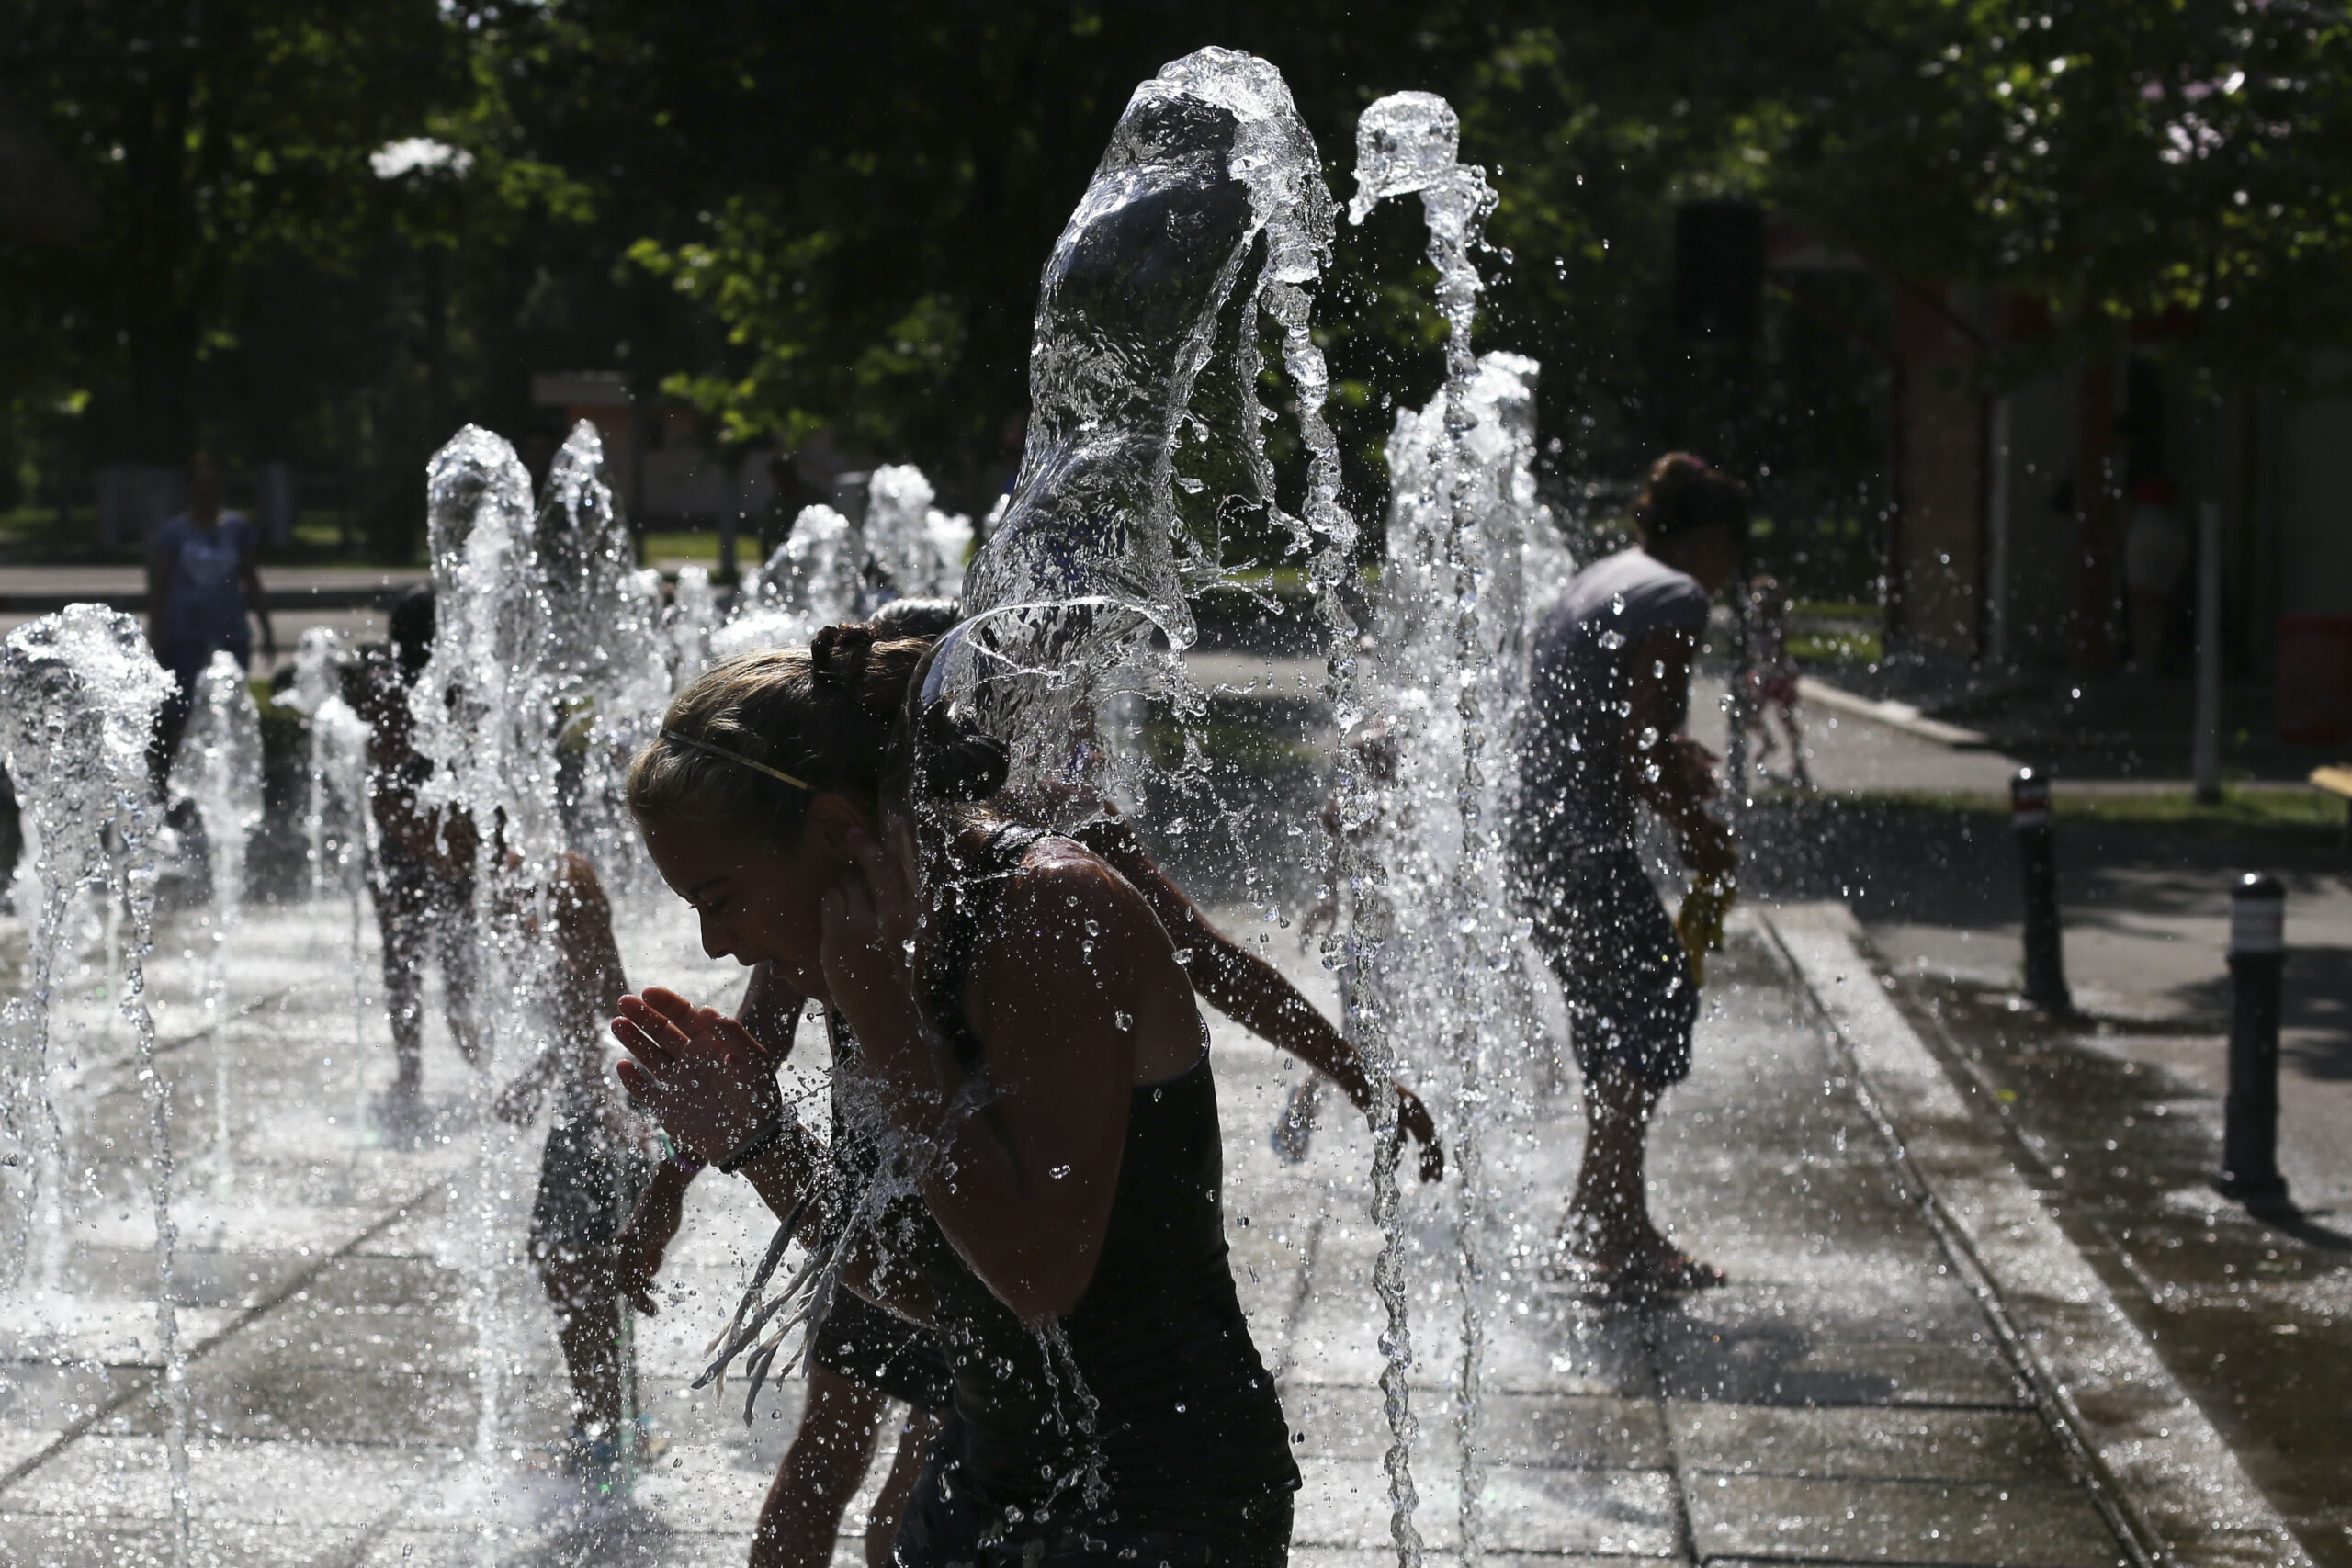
(1025, 1030)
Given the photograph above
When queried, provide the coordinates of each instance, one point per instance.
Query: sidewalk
(1860, 1393)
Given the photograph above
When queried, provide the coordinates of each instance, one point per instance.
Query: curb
(2183, 1497)
(1894, 715)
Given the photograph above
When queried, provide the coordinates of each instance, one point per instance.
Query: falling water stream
(218, 772)
(336, 795)
(80, 693)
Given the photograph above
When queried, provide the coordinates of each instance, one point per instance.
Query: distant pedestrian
(1610, 689)
(202, 583)
(1772, 678)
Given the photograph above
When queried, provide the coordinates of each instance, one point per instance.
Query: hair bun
(838, 655)
(960, 762)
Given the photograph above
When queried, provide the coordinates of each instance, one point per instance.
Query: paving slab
(1910, 1444)
(2180, 1483)
(1867, 1520)
(342, 1391)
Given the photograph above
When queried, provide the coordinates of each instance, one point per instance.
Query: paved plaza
(1903, 1370)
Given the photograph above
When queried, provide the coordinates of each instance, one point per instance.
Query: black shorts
(587, 1187)
(1627, 980)
(883, 1351)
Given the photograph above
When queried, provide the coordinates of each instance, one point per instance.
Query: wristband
(779, 1127)
(678, 1157)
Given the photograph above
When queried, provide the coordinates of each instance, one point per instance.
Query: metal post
(2209, 654)
(2257, 964)
(2045, 958)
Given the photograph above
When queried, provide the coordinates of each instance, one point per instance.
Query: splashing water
(811, 581)
(81, 693)
(1085, 571)
(318, 660)
(486, 713)
(692, 622)
(218, 772)
(1408, 143)
(913, 550)
(606, 662)
(337, 793)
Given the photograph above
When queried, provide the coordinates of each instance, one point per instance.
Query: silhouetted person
(424, 894)
(1608, 690)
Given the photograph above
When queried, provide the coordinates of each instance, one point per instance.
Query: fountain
(913, 550)
(812, 580)
(694, 619)
(486, 715)
(605, 660)
(551, 660)
(82, 693)
(336, 794)
(218, 772)
(1451, 669)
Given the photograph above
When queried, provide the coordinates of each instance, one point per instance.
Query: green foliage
(829, 217)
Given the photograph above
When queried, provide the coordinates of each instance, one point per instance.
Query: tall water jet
(318, 659)
(338, 793)
(485, 715)
(1410, 144)
(218, 772)
(693, 620)
(913, 550)
(1085, 569)
(82, 693)
(606, 665)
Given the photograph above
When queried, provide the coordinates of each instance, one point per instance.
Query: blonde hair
(821, 714)
(827, 715)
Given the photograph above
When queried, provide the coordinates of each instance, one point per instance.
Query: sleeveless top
(1145, 1407)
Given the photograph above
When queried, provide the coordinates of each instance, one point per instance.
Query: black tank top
(1147, 1407)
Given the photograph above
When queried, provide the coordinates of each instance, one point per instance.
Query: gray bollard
(2045, 957)
(2258, 966)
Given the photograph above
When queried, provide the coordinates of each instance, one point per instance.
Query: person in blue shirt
(201, 584)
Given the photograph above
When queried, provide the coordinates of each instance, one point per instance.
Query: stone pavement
(1848, 1399)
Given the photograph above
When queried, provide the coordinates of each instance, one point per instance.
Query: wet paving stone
(1866, 1520)
(1790, 1364)
(1909, 1444)
(342, 1403)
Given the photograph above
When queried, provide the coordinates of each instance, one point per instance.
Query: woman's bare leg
(821, 1472)
(906, 1469)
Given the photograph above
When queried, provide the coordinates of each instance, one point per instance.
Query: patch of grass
(1836, 647)
(2287, 808)
(701, 546)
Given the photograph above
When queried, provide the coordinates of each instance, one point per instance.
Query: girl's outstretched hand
(698, 1071)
